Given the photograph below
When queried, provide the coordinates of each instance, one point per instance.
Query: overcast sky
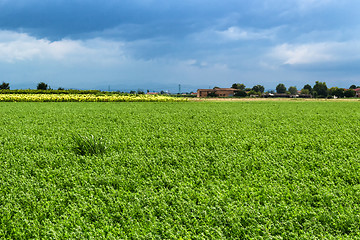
(159, 44)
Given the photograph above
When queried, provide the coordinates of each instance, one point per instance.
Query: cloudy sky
(159, 44)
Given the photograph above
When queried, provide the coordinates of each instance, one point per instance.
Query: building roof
(218, 89)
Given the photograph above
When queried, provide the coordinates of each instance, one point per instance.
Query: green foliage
(305, 91)
(5, 86)
(349, 93)
(314, 94)
(308, 87)
(88, 145)
(258, 88)
(280, 88)
(240, 93)
(292, 90)
(42, 86)
(321, 89)
(335, 91)
(252, 92)
(353, 86)
(239, 86)
(188, 170)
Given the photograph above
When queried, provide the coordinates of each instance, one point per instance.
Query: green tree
(5, 86)
(349, 93)
(321, 89)
(252, 92)
(42, 86)
(335, 91)
(352, 87)
(292, 90)
(305, 91)
(239, 86)
(280, 88)
(308, 87)
(240, 93)
(258, 88)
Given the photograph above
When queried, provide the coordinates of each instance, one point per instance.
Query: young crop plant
(264, 169)
(88, 145)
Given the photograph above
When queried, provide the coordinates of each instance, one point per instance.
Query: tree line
(319, 90)
(40, 86)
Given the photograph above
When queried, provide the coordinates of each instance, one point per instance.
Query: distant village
(319, 90)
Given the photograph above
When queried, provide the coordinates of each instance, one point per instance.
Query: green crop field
(187, 170)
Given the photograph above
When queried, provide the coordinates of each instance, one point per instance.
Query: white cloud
(302, 54)
(236, 33)
(16, 47)
(293, 54)
(195, 63)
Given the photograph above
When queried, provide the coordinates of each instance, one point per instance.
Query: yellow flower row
(86, 98)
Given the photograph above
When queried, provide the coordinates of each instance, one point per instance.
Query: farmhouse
(220, 92)
(357, 92)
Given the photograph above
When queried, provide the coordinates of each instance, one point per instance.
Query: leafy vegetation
(181, 170)
(293, 90)
(280, 88)
(5, 86)
(320, 89)
(88, 145)
(42, 86)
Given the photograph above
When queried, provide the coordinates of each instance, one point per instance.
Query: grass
(195, 170)
(88, 145)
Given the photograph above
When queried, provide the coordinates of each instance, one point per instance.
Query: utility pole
(179, 88)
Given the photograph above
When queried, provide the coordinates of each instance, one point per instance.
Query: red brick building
(357, 91)
(220, 92)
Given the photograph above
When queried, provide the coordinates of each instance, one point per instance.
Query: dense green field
(193, 170)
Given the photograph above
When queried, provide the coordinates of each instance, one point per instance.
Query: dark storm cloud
(59, 19)
(198, 41)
